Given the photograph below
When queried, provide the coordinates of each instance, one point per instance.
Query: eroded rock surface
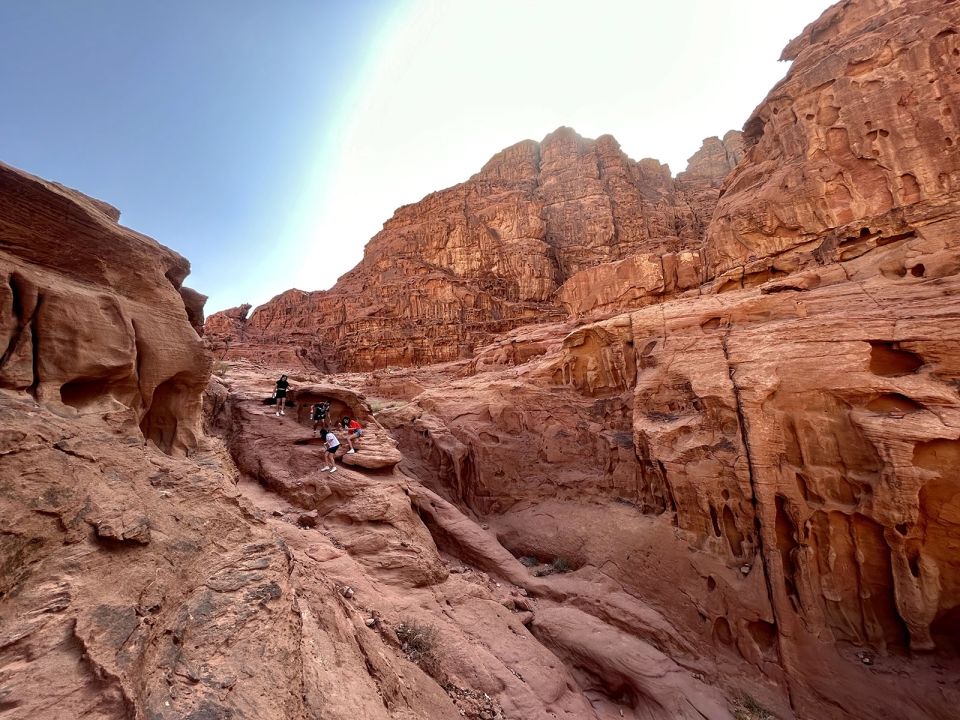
(766, 457)
(93, 316)
(405, 557)
(240, 581)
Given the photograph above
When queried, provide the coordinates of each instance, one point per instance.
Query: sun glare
(449, 84)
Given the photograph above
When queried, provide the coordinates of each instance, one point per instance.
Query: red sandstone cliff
(491, 254)
(147, 573)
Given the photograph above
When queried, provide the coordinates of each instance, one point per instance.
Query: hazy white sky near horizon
(448, 84)
(268, 142)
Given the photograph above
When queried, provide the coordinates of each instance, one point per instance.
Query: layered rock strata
(448, 273)
(741, 483)
(94, 316)
(402, 555)
(136, 583)
(858, 144)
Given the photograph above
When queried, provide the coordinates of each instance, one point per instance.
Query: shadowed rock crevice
(888, 359)
(162, 421)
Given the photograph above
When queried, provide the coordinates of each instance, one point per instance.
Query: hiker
(354, 431)
(330, 453)
(281, 393)
(319, 414)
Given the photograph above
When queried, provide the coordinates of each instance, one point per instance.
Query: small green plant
(746, 708)
(416, 639)
(529, 561)
(220, 368)
(559, 565)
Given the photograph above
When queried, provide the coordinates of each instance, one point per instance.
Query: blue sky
(268, 141)
(203, 121)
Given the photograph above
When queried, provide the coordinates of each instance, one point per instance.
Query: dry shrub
(416, 639)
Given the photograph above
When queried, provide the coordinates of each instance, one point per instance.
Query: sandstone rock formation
(93, 315)
(793, 420)
(136, 583)
(855, 146)
(494, 253)
(674, 456)
(400, 554)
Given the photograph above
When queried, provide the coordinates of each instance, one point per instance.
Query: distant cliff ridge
(448, 273)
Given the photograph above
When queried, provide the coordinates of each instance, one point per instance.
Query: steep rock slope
(535, 646)
(491, 254)
(857, 145)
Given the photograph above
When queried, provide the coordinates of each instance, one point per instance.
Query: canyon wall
(149, 570)
(499, 251)
(787, 435)
(688, 439)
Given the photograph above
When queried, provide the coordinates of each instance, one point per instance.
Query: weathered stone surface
(858, 140)
(739, 478)
(92, 315)
(376, 540)
(120, 618)
(776, 441)
(446, 274)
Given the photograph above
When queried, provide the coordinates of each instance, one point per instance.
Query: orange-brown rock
(774, 471)
(768, 455)
(739, 478)
(859, 139)
(135, 583)
(93, 315)
(400, 553)
(448, 273)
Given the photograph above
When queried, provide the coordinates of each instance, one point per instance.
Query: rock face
(115, 601)
(859, 140)
(494, 253)
(402, 557)
(138, 584)
(783, 436)
(93, 315)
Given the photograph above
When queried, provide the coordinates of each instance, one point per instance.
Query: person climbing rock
(319, 414)
(330, 453)
(353, 429)
(281, 393)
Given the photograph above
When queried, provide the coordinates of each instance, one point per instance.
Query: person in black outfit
(281, 393)
(319, 415)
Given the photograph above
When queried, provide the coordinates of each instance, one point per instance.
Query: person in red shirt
(353, 429)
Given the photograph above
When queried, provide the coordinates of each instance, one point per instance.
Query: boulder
(93, 315)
